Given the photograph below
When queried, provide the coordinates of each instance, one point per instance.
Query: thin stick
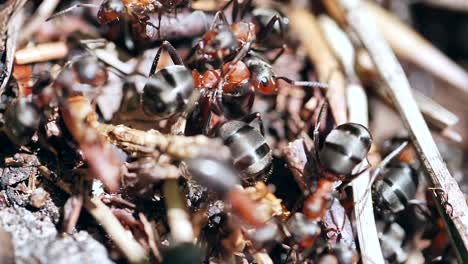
(104, 216)
(451, 202)
(437, 116)
(147, 142)
(177, 217)
(125, 242)
(46, 9)
(357, 109)
(328, 68)
(12, 16)
(456, 5)
(363, 209)
(296, 157)
(410, 46)
(42, 52)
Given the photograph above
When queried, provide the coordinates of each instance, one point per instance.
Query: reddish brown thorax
(208, 80)
(244, 207)
(235, 75)
(232, 76)
(106, 16)
(243, 31)
(316, 205)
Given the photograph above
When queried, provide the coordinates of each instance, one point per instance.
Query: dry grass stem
(409, 45)
(42, 52)
(306, 26)
(357, 110)
(451, 201)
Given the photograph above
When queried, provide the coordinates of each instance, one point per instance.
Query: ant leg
(265, 32)
(127, 37)
(159, 24)
(219, 18)
(244, 51)
(316, 135)
(255, 120)
(69, 9)
(283, 48)
(245, 4)
(235, 11)
(155, 61)
(386, 160)
(172, 53)
(166, 45)
(303, 83)
(381, 166)
(236, 8)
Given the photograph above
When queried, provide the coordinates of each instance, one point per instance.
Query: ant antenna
(69, 9)
(303, 83)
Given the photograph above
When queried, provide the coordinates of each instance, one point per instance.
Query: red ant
(136, 11)
(344, 148)
(224, 40)
(246, 72)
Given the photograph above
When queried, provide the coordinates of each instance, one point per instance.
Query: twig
(357, 110)
(363, 209)
(42, 52)
(104, 216)
(439, 118)
(153, 236)
(328, 68)
(410, 46)
(178, 147)
(125, 242)
(11, 19)
(456, 5)
(46, 9)
(451, 202)
(177, 217)
(296, 158)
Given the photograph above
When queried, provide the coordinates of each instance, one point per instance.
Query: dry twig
(148, 142)
(456, 5)
(42, 52)
(305, 25)
(177, 216)
(357, 110)
(46, 9)
(11, 19)
(104, 216)
(296, 157)
(450, 200)
(410, 46)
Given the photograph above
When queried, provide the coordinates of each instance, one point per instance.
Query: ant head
(265, 84)
(262, 77)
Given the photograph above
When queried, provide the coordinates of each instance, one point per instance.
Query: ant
(344, 148)
(246, 73)
(224, 41)
(138, 12)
